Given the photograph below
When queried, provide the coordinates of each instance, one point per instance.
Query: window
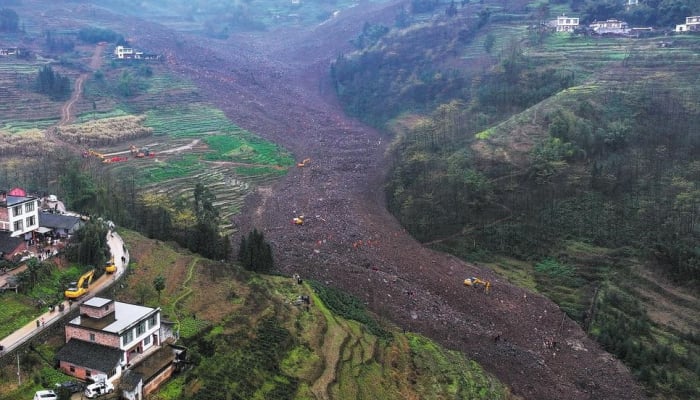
(72, 368)
(141, 328)
(128, 337)
(29, 206)
(16, 210)
(152, 320)
(31, 221)
(18, 225)
(92, 337)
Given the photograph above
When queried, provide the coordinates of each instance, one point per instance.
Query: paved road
(45, 320)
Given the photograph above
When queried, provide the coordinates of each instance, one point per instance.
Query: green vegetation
(16, 312)
(9, 20)
(96, 35)
(255, 254)
(53, 84)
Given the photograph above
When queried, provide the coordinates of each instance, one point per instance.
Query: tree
(54, 85)
(9, 20)
(255, 254)
(159, 284)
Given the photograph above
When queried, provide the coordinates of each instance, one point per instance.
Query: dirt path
(276, 84)
(67, 108)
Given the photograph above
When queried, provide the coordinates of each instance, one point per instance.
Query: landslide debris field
(275, 84)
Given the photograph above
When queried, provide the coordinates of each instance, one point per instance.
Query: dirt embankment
(276, 84)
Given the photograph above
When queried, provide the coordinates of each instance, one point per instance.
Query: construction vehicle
(142, 152)
(110, 268)
(473, 281)
(298, 220)
(304, 163)
(94, 153)
(79, 288)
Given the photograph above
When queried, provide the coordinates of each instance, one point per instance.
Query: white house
(566, 24)
(19, 213)
(692, 24)
(126, 53)
(610, 26)
(118, 332)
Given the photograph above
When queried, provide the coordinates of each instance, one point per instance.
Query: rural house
(9, 245)
(107, 337)
(60, 225)
(19, 213)
(127, 53)
(692, 24)
(611, 26)
(566, 24)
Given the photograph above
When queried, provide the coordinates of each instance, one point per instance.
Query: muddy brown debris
(276, 84)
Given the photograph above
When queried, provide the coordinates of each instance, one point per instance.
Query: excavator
(298, 220)
(473, 281)
(78, 289)
(110, 268)
(304, 163)
(142, 152)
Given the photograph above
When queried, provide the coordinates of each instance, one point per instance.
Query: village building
(566, 24)
(611, 26)
(10, 245)
(59, 225)
(19, 213)
(113, 338)
(127, 330)
(128, 53)
(692, 24)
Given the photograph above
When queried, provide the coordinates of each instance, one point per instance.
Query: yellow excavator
(298, 220)
(304, 163)
(476, 282)
(110, 268)
(78, 289)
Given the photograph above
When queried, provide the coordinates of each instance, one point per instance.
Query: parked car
(45, 395)
(71, 386)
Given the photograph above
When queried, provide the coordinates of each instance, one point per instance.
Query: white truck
(100, 387)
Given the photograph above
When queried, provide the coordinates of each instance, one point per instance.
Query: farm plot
(198, 144)
(18, 101)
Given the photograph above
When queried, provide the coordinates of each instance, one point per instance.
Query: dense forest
(505, 150)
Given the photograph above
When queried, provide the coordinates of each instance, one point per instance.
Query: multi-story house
(692, 24)
(19, 213)
(566, 24)
(107, 337)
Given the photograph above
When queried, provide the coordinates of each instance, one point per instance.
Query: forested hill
(567, 162)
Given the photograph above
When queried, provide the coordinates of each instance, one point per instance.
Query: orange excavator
(473, 281)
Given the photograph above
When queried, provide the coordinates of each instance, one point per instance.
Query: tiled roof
(58, 221)
(9, 243)
(130, 380)
(90, 355)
